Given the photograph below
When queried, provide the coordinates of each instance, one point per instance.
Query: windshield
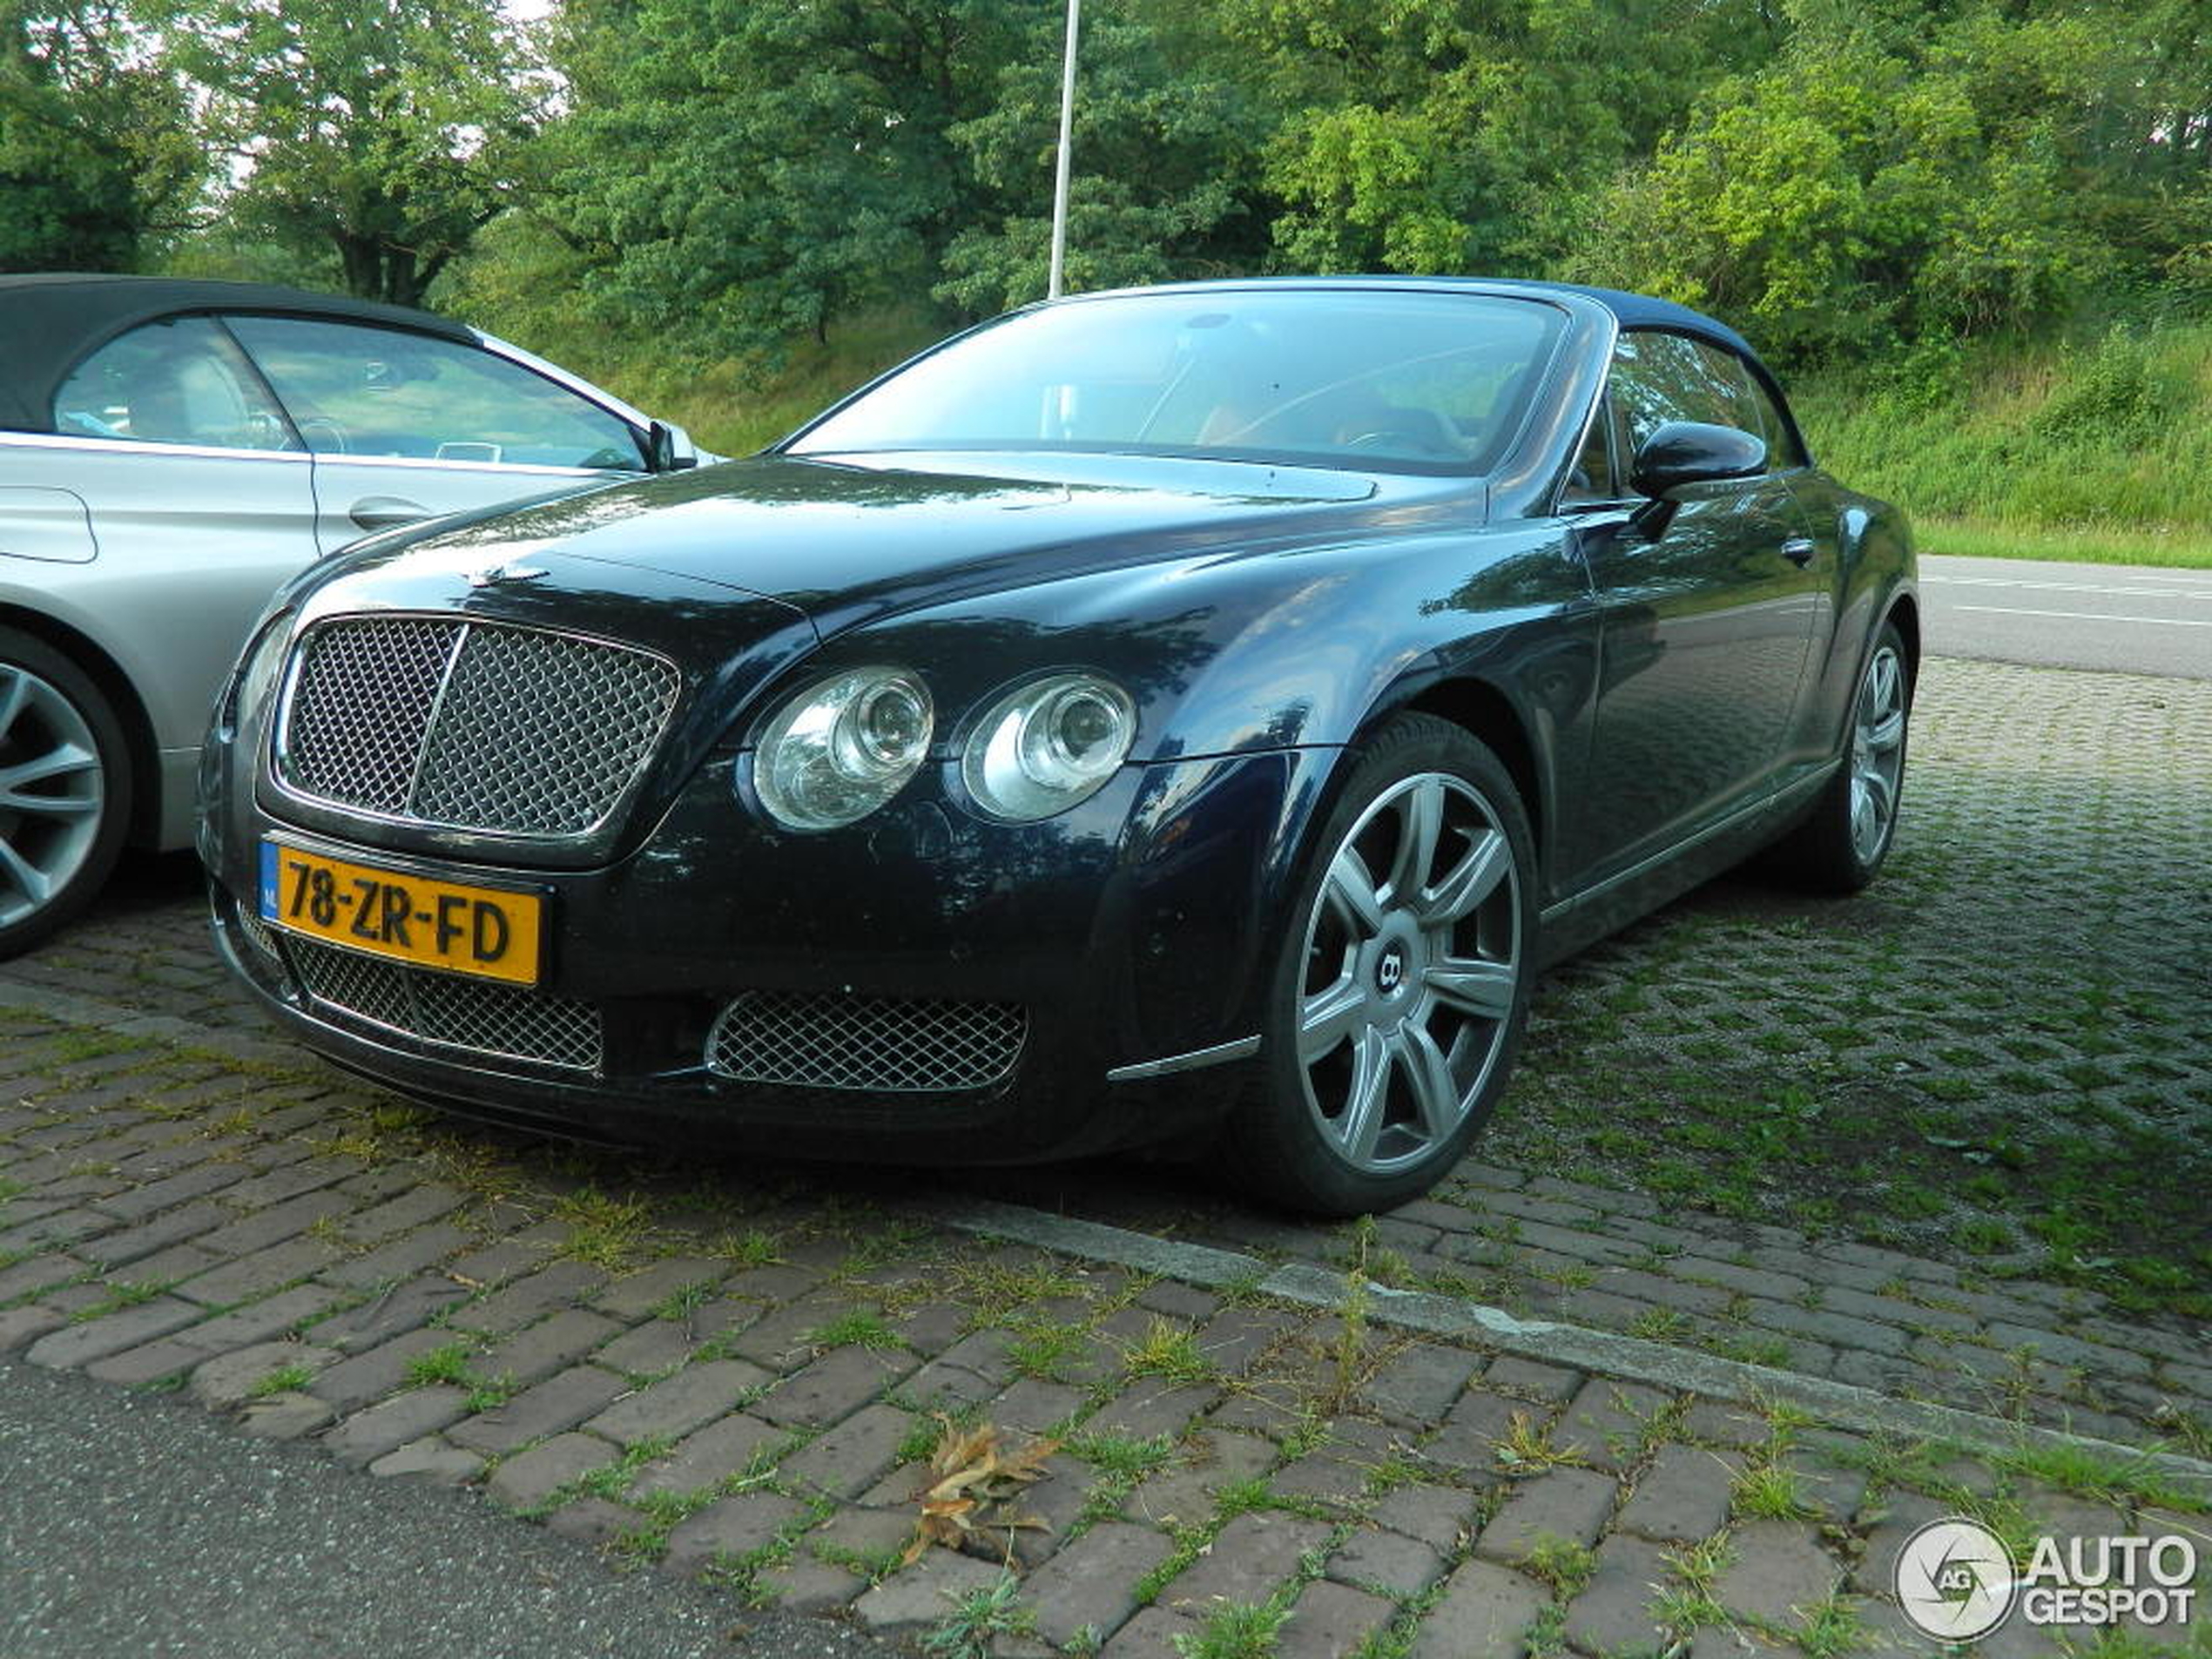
(1346, 377)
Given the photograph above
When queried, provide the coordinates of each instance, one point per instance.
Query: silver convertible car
(172, 451)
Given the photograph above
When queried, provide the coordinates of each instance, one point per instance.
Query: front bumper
(1130, 931)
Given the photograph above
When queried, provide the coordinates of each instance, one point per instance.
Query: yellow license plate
(486, 932)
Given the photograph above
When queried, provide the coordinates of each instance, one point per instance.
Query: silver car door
(404, 425)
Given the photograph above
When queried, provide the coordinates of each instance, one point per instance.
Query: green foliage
(1234, 1630)
(1920, 171)
(978, 1619)
(448, 1363)
(857, 1327)
(66, 201)
(384, 131)
(283, 1379)
(2117, 394)
(1564, 1564)
(2057, 449)
(94, 159)
(734, 211)
(1441, 136)
(1162, 164)
(742, 171)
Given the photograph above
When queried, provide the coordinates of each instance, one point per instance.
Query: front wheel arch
(107, 675)
(1905, 616)
(1486, 714)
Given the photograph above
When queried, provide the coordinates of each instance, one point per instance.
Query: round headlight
(1048, 746)
(842, 747)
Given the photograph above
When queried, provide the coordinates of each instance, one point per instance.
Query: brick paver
(744, 1384)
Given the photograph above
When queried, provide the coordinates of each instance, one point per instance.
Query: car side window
(1657, 378)
(1784, 450)
(181, 380)
(1595, 477)
(1751, 408)
(359, 390)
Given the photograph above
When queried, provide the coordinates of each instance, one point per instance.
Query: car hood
(843, 541)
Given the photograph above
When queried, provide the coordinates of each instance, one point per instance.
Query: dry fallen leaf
(973, 1477)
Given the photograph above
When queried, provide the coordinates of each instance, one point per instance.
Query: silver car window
(181, 380)
(365, 391)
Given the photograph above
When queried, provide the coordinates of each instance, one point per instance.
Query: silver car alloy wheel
(51, 793)
(1877, 753)
(1413, 962)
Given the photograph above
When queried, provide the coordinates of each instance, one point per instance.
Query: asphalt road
(2125, 618)
(133, 1526)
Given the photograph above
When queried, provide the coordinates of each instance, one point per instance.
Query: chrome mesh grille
(889, 1044)
(362, 706)
(541, 733)
(479, 1017)
(470, 725)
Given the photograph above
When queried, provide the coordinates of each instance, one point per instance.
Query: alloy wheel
(51, 793)
(1412, 964)
(1877, 753)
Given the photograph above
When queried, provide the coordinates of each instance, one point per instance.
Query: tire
(64, 791)
(1841, 843)
(1397, 994)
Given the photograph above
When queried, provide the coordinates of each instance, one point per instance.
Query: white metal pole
(1053, 282)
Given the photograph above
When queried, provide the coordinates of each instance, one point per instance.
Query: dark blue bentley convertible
(1199, 710)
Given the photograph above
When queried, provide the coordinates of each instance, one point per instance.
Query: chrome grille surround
(504, 1022)
(883, 1044)
(471, 726)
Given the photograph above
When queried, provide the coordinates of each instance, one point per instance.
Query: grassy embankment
(2100, 452)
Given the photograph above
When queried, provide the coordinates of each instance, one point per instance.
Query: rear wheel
(64, 790)
(1402, 980)
(1844, 838)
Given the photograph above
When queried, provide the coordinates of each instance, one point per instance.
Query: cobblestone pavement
(739, 1377)
(734, 1371)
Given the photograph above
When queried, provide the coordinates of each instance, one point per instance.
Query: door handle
(381, 512)
(1799, 549)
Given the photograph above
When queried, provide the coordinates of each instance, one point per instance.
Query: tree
(1456, 136)
(1165, 166)
(384, 131)
(1879, 182)
(739, 170)
(94, 155)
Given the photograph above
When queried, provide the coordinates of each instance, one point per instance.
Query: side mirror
(1688, 452)
(669, 448)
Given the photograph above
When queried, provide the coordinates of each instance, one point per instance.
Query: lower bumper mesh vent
(496, 1020)
(897, 1045)
(258, 933)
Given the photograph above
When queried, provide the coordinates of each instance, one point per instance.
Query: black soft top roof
(49, 324)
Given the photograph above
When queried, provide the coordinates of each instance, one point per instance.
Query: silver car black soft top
(49, 323)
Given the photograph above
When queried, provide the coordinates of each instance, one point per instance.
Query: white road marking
(2092, 616)
(2204, 592)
